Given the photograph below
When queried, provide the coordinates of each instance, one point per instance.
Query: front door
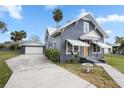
(85, 52)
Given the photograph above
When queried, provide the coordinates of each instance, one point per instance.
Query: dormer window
(86, 27)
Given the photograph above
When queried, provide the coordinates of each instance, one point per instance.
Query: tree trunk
(57, 25)
(16, 46)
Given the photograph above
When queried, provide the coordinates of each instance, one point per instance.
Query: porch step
(92, 60)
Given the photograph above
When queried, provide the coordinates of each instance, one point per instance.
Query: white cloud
(111, 18)
(14, 11)
(83, 12)
(50, 7)
(108, 31)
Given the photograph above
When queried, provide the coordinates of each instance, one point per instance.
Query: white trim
(92, 35)
(67, 48)
(77, 43)
(77, 51)
(85, 25)
(96, 52)
(53, 44)
(72, 49)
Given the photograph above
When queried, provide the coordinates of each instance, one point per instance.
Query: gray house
(82, 35)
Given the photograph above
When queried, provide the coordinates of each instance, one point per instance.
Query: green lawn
(116, 61)
(97, 76)
(5, 71)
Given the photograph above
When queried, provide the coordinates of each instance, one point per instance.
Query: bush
(52, 54)
(12, 47)
(2, 46)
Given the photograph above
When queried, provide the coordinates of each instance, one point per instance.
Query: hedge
(52, 54)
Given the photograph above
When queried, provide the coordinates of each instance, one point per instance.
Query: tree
(121, 47)
(118, 39)
(17, 36)
(57, 16)
(3, 27)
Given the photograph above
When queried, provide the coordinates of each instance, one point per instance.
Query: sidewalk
(117, 76)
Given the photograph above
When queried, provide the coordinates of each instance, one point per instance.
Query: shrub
(2, 46)
(12, 47)
(52, 54)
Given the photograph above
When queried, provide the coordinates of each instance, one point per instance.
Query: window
(96, 49)
(76, 49)
(54, 45)
(86, 27)
(50, 44)
(70, 48)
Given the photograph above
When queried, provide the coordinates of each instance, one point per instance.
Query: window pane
(86, 27)
(76, 49)
(94, 48)
(98, 49)
(69, 48)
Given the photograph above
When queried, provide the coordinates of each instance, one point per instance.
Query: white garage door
(33, 50)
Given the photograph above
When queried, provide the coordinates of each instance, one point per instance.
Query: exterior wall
(51, 39)
(74, 31)
(108, 50)
(57, 41)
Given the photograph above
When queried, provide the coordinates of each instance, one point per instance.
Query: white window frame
(53, 44)
(96, 52)
(72, 49)
(86, 24)
(67, 48)
(77, 51)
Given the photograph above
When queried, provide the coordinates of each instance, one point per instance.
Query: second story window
(86, 27)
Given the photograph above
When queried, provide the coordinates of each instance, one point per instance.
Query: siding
(74, 32)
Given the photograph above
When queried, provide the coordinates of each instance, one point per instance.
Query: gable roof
(51, 30)
(90, 36)
(86, 16)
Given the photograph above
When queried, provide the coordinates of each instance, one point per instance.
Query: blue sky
(35, 19)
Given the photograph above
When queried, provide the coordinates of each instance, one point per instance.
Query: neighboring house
(115, 48)
(108, 50)
(32, 48)
(81, 36)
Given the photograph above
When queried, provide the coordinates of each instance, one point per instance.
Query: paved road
(34, 71)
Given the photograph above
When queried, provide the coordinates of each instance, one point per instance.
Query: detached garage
(32, 48)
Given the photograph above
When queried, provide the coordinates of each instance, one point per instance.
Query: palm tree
(3, 27)
(17, 36)
(57, 16)
(118, 39)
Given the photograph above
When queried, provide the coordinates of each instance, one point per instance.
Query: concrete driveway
(36, 71)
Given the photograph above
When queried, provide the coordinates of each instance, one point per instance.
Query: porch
(90, 47)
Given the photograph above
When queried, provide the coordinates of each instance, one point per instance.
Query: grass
(116, 61)
(5, 71)
(96, 76)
